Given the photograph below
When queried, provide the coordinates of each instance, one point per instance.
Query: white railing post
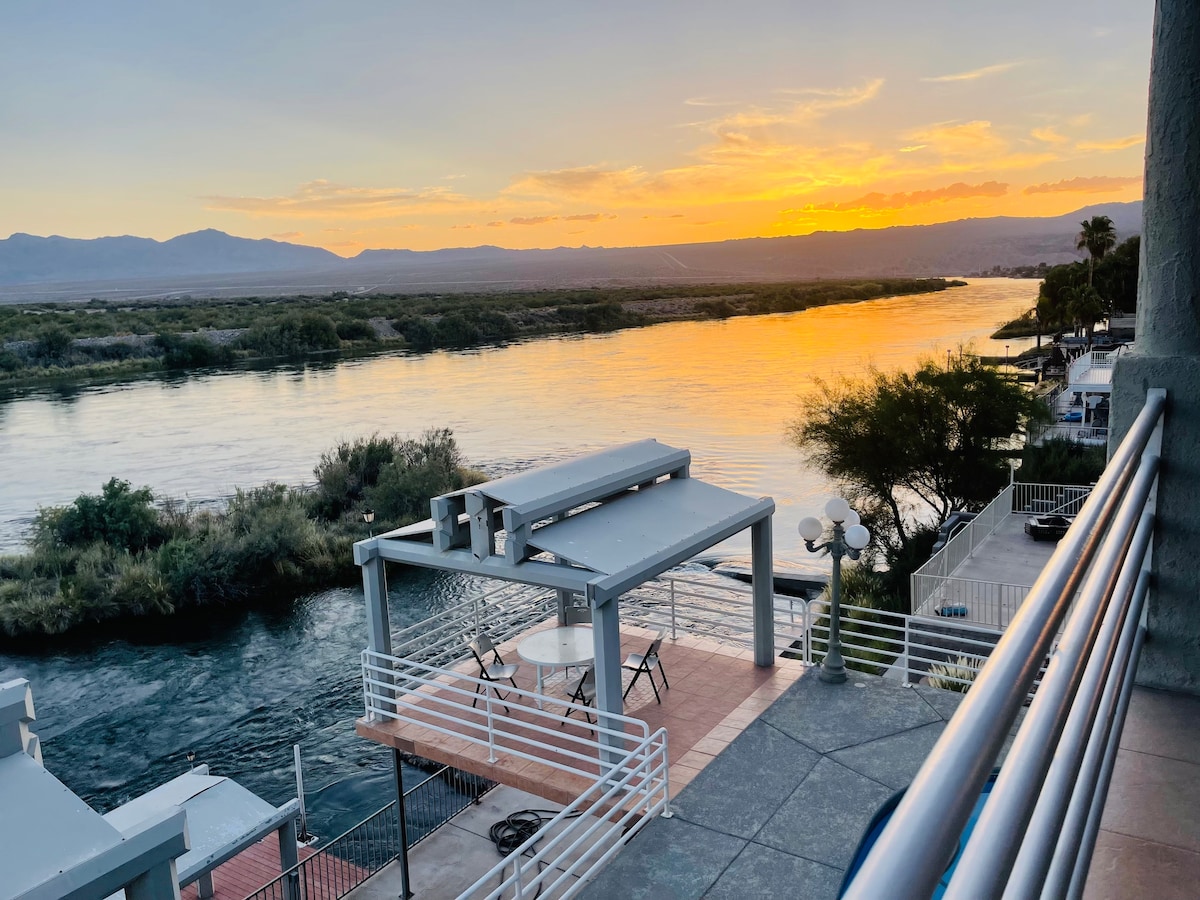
(907, 650)
(491, 726)
(673, 634)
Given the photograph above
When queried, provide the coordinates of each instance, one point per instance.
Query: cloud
(823, 100)
(288, 235)
(912, 148)
(532, 220)
(1096, 184)
(1115, 144)
(876, 202)
(324, 199)
(975, 146)
(589, 217)
(495, 224)
(974, 74)
(582, 181)
(708, 101)
(1049, 135)
(468, 227)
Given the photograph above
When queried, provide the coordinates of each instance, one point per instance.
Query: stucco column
(1167, 351)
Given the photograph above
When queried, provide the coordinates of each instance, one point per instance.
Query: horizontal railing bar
(908, 859)
(990, 853)
(1062, 783)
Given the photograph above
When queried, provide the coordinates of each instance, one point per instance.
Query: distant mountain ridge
(203, 261)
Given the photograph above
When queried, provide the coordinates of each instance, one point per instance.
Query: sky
(358, 124)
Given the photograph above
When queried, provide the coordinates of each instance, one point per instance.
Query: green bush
(294, 335)
(119, 516)
(355, 330)
(1060, 460)
(53, 343)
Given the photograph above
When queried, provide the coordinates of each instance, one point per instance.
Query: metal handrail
(581, 838)
(910, 856)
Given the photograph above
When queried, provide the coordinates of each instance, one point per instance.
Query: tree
(1098, 236)
(910, 445)
(1086, 307)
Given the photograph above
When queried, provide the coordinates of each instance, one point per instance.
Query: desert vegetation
(123, 553)
(96, 339)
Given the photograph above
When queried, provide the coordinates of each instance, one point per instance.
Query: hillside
(211, 263)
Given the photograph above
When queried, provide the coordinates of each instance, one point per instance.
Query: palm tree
(1086, 307)
(1097, 237)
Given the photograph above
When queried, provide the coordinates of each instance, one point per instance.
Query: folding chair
(647, 662)
(583, 690)
(496, 670)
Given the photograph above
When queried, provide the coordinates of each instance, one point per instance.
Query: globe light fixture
(849, 538)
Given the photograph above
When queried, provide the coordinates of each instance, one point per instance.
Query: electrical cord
(516, 828)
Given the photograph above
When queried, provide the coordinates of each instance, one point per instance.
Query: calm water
(118, 718)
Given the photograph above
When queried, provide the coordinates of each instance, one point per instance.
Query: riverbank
(118, 556)
(55, 344)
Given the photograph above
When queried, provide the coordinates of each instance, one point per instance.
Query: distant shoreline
(43, 344)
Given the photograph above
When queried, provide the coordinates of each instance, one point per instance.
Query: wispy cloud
(876, 202)
(288, 235)
(589, 217)
(323, 199)
(1114, 144)
(974, 74)
(1096, 184)
(1049, 136)
(532, 220)
(912, 148)
(708, 101)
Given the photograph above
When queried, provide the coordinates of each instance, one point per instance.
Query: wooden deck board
(258, 865)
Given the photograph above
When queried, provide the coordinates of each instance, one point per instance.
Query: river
(238, 689)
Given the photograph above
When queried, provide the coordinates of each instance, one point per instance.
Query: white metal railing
(1094, 367)
(900, 647)
(1037, 829)
(721, 612)
(462, 706)
(503, 610)
(934, 583)
(959, 548)
(985, 602)
(588, 833)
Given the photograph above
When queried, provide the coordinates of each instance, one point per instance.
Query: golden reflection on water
(724, 389)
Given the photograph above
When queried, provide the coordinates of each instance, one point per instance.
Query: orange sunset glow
(422, 129)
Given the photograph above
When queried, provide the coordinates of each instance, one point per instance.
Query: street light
(1006, 359)
(849, 539)
(369, 517)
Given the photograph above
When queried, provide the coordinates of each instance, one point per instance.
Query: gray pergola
(592, 527)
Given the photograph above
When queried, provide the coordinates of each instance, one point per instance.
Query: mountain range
(212, 263)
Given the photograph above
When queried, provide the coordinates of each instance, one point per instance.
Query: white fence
(934, 586)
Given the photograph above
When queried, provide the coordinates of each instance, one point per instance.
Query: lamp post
(1006, 359)
(849, 539)
(369, 517)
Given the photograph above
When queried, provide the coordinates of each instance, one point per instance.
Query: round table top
(570, 645)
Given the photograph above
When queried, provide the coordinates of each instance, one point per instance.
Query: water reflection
(119, 714)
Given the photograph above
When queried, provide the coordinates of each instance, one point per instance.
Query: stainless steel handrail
(910, 856)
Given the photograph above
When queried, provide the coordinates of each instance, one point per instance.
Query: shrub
(1061, 460)
(53, 343)
(295, 334)
(356, 330)
(119, 516)
(956, 676)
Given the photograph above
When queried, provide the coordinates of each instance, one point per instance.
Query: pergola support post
(764, 592)
(606, 637)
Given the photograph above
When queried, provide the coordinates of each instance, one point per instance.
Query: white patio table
(555, 648)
